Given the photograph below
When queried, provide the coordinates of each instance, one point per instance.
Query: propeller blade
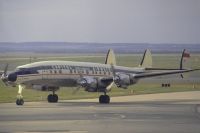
(182, 76)
(5, 69)
(76, 90)
(4, 77)
(81, 83)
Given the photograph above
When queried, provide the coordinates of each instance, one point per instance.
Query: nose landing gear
(20, 100)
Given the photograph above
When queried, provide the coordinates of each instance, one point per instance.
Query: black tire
(104, 99)
(107, 99)
(52, 98)
(101, 99)
(19, 102)
(49, 98)
(55, 98)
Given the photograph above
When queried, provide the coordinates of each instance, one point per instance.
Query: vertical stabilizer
(146, 61)
(110, 58)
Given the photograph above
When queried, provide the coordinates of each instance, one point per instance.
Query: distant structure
(166, 85)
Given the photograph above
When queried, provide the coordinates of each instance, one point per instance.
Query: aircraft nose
(12, 77)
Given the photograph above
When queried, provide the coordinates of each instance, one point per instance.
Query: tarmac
(151, 113)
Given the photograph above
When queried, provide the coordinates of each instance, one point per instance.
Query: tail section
(110, 58)
(146, 61)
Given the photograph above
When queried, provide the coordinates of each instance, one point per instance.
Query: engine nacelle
(123, 80)
(92, 84)
(44, 88)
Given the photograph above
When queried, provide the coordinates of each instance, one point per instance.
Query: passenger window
(60, 71)
(87, 72)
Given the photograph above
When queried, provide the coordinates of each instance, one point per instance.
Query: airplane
(93, 77)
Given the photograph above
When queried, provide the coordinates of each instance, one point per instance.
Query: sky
(101, 21)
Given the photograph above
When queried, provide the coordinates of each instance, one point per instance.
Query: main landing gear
(52, 98)
(104, 99)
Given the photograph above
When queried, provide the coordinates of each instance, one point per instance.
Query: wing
(154, 74)
(123, 80)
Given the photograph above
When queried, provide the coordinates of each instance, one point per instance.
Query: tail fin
(110, 58)
(146, 61)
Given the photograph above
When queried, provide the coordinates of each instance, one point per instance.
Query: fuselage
(64, 73)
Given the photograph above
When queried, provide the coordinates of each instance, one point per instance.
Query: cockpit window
(18, 69)
(22, 71)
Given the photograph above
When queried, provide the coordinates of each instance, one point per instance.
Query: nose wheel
(19, 101)
(104, 99)
(52, 98)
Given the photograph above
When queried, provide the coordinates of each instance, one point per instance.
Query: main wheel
(107, 99)
(101, 99)
(19, 102)
(52, 98)
(104, 99)
(55, 98)
(49, 98)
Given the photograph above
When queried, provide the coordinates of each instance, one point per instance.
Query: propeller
(4, 76)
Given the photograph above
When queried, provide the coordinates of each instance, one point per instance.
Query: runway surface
(153, 113)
